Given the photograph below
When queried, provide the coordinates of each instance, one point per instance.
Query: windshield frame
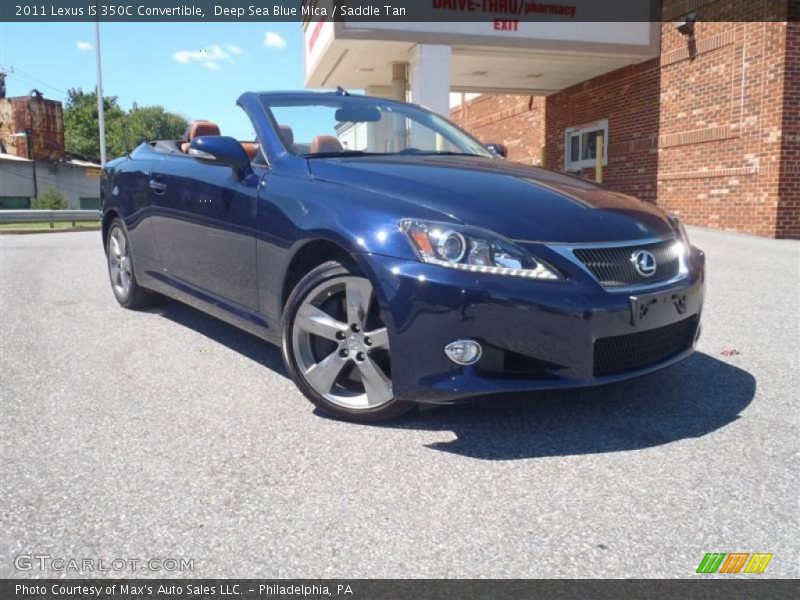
(435, 122)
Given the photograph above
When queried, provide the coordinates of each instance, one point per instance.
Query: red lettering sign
(506, 25)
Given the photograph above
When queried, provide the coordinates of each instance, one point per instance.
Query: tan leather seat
(251, 148)
(198, 129)
(325, 144)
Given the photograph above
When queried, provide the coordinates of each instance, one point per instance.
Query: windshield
(359, 126)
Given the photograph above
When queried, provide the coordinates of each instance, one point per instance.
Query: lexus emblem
(644, 262)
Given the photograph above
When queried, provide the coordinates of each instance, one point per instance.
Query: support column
(379, 91)
(430, 77)
(399, 125)
(399, 81)
(379, 135)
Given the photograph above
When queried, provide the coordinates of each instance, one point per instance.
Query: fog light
(463, 352)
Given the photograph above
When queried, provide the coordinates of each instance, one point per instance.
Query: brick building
(709, 129)
(699, 111)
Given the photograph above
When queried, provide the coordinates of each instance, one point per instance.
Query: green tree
(145, 123)
(124, 130)
(50, 200)
(81, 121)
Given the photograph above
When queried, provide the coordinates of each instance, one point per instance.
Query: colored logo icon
(736, 562)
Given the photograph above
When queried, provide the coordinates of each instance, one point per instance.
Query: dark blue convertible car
(396, 259)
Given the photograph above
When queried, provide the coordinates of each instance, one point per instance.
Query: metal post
(29, 142)
(100, 108)
(598, 159)
(52, 220)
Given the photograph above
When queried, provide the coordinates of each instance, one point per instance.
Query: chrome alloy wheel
(119, 262)
(341, 346)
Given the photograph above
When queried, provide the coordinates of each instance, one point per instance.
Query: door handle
(158, 186)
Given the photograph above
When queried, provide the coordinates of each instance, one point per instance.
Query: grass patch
(45, 226)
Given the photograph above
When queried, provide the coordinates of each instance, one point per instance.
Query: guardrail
(48, 216)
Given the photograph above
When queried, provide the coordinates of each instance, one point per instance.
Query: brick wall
(709, 130)
(516, 121)
(726, 98)
(629, 99)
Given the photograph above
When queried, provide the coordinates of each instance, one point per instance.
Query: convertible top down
(396, 259)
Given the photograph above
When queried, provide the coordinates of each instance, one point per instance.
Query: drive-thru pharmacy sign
(520, 8)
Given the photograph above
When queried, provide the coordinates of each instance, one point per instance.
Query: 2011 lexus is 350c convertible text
(397, 260)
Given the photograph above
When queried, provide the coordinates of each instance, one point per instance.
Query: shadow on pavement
(246, 344)
(688, 400)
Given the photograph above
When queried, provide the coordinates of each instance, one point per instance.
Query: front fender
(296, 211)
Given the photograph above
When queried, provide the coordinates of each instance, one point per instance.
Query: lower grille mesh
(642, 349)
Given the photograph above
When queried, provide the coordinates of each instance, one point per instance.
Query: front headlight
(683, 245)
(676, 223)
(473, 249)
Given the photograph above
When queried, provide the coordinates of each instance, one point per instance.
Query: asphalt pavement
(169, 434)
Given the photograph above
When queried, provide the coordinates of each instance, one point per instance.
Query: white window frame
(579, 131)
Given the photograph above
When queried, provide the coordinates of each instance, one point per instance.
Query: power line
(23, 75)
(28, 82)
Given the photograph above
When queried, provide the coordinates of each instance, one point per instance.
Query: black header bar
(413, 589)
(519, 11)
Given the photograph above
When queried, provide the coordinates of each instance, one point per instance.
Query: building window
(90, 203)
(14, 202)
(581, 145)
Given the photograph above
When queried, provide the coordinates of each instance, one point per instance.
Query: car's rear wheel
(120, 270)
(336, 346)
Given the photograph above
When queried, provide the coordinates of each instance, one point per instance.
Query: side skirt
(235, 314)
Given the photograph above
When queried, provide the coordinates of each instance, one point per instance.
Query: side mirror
(498, 149)
(220, 150)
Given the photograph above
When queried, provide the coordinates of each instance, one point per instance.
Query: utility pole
(100, 108)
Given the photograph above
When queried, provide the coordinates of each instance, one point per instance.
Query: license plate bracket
(655, 308)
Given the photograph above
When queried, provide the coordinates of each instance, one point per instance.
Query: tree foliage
(124, 130)
(50, 200)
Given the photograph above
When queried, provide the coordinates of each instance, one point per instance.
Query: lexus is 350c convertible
(395, 259)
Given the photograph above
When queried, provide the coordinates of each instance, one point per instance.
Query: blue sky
(196, 69)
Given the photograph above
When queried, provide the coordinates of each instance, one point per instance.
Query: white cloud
(83, 46)
(274, 40)
(209, 57)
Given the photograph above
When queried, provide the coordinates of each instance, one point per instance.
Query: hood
(526, 204)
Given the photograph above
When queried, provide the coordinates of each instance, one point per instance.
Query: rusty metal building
(33, 159)
(32, 127)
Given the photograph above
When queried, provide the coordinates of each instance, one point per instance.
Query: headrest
(200, 128)
(287, 135)
(325, 143)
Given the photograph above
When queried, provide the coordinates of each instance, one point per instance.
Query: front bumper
(536, 334)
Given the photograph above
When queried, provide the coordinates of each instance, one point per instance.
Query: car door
(128, 194)
(204, 221)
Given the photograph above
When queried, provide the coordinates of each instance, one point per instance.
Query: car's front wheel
(120, 270)
(336, 346)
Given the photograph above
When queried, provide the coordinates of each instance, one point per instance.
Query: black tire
(332, 272)
(132, 296)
